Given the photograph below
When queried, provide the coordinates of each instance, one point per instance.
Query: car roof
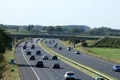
(38, 50)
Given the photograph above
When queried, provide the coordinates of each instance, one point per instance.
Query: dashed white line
(30, 66)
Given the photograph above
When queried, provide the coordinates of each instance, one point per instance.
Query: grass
(112, 54)
(11, 72)
(13, 31)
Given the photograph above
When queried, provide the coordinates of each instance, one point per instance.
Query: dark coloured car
(38, 52)
(26, 43)
(32, 57)
(50, 42)
(69, 48)
(53, 41)
(37, 40)
(116, 68)
(46, 42)
(33, 46)
(24, 47)
(77, 52)
(56, 65)
(56, 44)
(54, 57)
(45, 57)
(60, 48)
(40, 64)
(28, 53)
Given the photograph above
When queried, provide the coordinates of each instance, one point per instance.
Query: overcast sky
(94, 13)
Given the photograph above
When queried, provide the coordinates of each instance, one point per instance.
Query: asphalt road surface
(98, 64)
(28, 71)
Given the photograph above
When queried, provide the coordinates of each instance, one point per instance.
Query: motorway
(87, 60)
(28, 71)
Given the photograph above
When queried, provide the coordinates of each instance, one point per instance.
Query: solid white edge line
(30, 66)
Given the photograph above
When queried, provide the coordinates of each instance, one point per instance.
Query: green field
(112, 54)
(13, 31)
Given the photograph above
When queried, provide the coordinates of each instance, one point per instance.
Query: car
(28, 53)
(37, 40)
(77, 52)
(56, 44)
(33, 46)
(99, 79)
(40, 64)
(56, 65)
(69, 75)
(44, 57)
(24, 47)
(46, 42)
(116, 68)
(32, 57)
(69, 48)
(60, 48)
(50, 42)
(26, 43)
(38, 52)
(54, 57)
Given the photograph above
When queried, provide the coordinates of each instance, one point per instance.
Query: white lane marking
(30, 66)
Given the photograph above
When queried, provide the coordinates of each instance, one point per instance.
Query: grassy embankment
(108, 52)
(11, 72)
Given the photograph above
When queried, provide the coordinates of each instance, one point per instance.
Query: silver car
(69, 75)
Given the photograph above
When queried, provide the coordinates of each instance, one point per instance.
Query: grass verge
(11, 72)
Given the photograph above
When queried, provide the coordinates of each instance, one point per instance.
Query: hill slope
(108, 42)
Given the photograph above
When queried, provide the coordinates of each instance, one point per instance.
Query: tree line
(66, 30)
(5, 43)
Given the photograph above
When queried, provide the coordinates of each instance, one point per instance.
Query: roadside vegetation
(11, 72)
(68, 30)
(107, 43)
(106, 48)
(7, 71)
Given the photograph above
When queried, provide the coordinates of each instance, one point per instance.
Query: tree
(17, 29)
(29, 28)
(5, 41)
(50, 29)
(59, 29)
(3, 27)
